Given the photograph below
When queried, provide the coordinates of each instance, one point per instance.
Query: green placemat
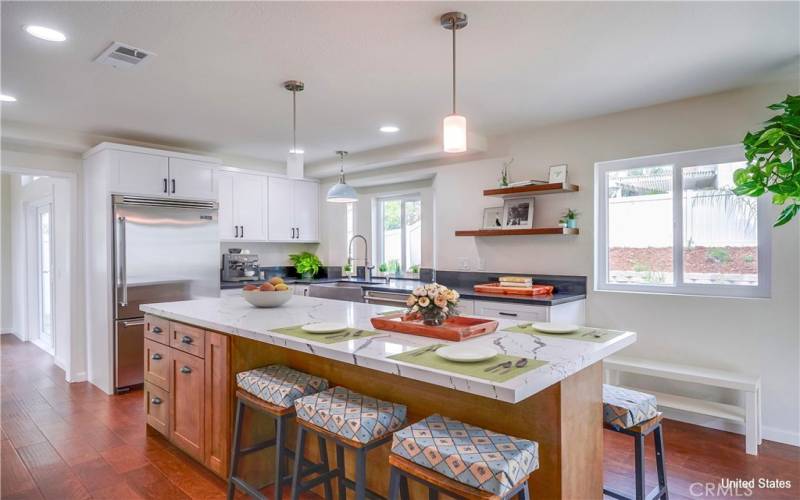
(393, 311)
(426, 356)
(584, 333)
(325, 338)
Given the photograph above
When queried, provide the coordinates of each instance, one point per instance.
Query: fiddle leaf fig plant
(773, 160)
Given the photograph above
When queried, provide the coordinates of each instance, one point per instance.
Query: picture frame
(518, 213)
(493, 218)
(558, 174)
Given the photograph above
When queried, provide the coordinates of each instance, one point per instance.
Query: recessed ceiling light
(45, 33)
(389, 129)
(297, 151)
(7, 98)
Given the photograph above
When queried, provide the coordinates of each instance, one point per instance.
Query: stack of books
(516, 281)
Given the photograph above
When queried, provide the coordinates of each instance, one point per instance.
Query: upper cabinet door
(306, 210)
(251, 206)
(226, 198)
(279, 201)
(143, 174)
(191, 179)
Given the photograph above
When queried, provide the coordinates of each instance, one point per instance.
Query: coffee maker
(239, 267)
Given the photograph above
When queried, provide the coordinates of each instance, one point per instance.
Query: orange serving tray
(454, 328)
(513, 290)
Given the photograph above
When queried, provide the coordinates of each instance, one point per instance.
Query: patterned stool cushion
(624, 408)
(482, 459)
(351, 415)
(279, 385)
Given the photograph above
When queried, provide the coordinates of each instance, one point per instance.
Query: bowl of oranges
(273, 293)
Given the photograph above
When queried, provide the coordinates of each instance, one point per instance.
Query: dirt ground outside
(728, 260)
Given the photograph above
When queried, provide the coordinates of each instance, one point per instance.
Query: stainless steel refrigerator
(165, 250)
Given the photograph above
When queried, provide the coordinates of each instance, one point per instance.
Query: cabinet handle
(156, 400)
(188, 340)
(186, 369)
(156, 356)
(298, 233)
(242, 231)
(157, 329)
(501, 313)
(292, 233)
(173, 186)
(236, 229)
(165, 184)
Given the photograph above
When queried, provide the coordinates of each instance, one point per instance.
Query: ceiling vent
(123, 56)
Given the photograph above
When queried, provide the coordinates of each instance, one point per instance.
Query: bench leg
(394, 484)
(341, 477)
(658, 435)
(298, 462)
(237, 437)
(751, 422)
(639, 465)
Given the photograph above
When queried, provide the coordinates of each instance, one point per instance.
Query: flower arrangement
(434, 303)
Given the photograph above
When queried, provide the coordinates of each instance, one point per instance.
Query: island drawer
(156, 363)
(156, 329)
(156, 402)
(506, 310)
(187, 338)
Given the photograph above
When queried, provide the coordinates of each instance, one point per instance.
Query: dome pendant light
(341, 192)
(455, 125)
(294, 161)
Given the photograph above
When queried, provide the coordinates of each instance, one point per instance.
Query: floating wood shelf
(519, 232)
(533, 190)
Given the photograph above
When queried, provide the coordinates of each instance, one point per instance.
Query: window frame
(379, 247)
(678, 161)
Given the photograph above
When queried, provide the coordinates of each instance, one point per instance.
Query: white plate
(466, 353)
(324, 327)
(555, 327)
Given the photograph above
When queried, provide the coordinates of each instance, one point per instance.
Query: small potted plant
(347, 268)
(306, 263)
(383, 268)
(569, 219)
(414, 270)
(433, 303)
(394, 267)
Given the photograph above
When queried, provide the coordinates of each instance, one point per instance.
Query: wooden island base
(565, 419)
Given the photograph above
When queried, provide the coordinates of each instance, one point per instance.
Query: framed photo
(558, 173)
(493, 218)
(518, 213)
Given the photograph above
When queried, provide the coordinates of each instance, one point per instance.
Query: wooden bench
(749, 414)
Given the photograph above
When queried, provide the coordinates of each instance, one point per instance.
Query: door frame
(32, 273)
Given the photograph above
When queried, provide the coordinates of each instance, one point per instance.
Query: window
(399, 231)
(44, 289)
(671, 224)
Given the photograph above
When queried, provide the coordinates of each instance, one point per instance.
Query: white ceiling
(216, 82)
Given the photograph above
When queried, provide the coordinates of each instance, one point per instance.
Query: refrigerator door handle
(123, 271)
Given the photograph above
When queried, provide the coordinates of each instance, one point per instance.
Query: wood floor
(64, 441)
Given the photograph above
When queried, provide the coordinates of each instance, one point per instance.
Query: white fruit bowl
(267, 299)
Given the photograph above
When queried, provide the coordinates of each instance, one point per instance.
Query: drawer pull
(157, 329)
(501, 313)
(187, 339)
(156, 400)
(156, 356)
(186, 369)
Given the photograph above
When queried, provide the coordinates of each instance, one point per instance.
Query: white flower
(424, 302)
(411, 300)
(440, 301)
(415, 309)
(420, 291)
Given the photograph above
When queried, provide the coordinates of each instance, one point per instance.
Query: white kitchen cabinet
(293, 213)
(242, 206)
(143, 174)
(191, 179)
(570, 312)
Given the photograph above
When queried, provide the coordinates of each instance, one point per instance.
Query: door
(250, 206)
(42, 331)
(226, 197)
(305, 208)
(129, 352)
(143, 174)
(186, 411)
(191, 179)
(279, 213)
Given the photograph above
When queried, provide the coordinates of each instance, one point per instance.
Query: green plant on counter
(306, 263)
(773, 160)
(383, 267)
(393, 267)
(414, 269)
(347, 267)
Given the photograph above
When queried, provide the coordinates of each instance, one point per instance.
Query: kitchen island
(557, 404)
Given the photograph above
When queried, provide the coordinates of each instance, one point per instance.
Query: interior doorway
(41, 265)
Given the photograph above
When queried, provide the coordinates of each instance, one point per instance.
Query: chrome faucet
(367, 268)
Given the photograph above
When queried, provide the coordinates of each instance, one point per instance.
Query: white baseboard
(768, 433)
(78, 377)
(781, 435)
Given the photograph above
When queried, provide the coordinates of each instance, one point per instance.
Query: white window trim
(710, 156)
(379, 226)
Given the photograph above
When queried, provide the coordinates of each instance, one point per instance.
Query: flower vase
(433, 318)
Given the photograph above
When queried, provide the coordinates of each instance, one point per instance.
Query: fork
(340, 335)
(498, 366)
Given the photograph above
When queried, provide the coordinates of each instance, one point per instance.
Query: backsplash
(270, 254)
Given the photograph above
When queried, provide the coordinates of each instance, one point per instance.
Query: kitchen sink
(338, 290)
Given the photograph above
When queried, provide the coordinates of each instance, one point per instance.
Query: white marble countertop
(234, 316)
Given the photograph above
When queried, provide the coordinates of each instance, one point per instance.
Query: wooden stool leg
(394, 484)
(639, 465)
(280, 429)
(341, 476)
(298, 461)
(658, 435)
(237, 436)
(361, 474)
(404, 488)
(323, 459)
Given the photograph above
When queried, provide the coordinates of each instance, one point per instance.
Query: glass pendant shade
(455, 134)
(341, 192)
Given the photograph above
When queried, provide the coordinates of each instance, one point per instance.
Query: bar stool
(636, 414)
(352, 420)
(270, 390)
(461, 460)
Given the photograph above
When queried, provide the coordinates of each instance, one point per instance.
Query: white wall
(755, 336)
(6, 289)
(274, 254)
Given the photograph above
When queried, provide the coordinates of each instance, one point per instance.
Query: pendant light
(341, 192)
(454, 125)
(294, 160)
